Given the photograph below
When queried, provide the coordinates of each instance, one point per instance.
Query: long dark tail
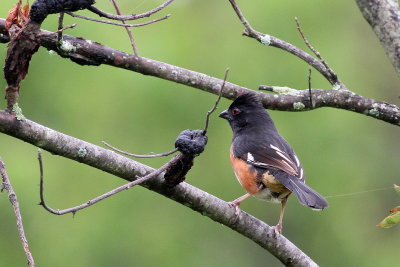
(304, 193)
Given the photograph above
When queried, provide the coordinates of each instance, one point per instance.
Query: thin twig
(316, 53)
(118, 24)
(309, 88)
(216, 102)
(128, 17)
(6, 184)
(66, 28)
(73, 210)
(273, 41)
(60, 27)
(244, 21)
(128, 30)
(140, 156)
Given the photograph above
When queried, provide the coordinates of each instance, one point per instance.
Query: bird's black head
(247, 112)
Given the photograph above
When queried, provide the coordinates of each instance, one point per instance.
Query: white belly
(265, 194)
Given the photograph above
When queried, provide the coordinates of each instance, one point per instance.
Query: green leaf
(397, 188)
(390, 220)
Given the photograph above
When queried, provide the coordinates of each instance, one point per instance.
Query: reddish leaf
(12, 17)
(395, 209)
(24, 14)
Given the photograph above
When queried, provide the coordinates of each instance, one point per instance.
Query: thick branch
(384, 18)
(343, 99)
(91, 53)
(198, 200)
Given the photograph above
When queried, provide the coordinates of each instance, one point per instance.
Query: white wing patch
(283, 156)
(250, 160)
(285, 160)
(297, 160)
(275, 148)
(250, 157)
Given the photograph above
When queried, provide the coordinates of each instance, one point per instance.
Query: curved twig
(118, 24)
(140, 156)
(91, 202)
(129, 17)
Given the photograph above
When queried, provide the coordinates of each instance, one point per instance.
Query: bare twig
(309, 88)
(129, 17)
(118, 24)
(316, 53)
(216, 102)
(6, 184)
(140, 156)
(128, 30)
(91, 202)
(66, 28)
(250, 31)
(60, 27)
(270, 40)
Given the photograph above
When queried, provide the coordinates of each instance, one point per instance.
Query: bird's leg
(278, 227)
(236, 203)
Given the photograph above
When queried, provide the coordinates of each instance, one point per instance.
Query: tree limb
(218, 210)
(273, 41)
(86, 52)
(384, 18)
(14, 202)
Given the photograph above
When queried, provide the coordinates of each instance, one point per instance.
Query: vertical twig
(316, 53)
(309, 88)
(216, 103)
(60, 27)
(128, 30)
(13, 199)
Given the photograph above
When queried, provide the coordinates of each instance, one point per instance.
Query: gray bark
(384, 18)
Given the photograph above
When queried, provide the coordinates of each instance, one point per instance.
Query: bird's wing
(273, 157)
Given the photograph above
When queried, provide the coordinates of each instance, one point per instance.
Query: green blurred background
(342, 152)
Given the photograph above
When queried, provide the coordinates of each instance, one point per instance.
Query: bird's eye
(235, 111)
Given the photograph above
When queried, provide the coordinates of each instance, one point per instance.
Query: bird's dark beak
(225, 115)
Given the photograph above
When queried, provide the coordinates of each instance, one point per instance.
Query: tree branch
(273, 41)
(108, 194)
(218, 210)
(86, 52)
(14, 202)
(129, 17)
(384, 18)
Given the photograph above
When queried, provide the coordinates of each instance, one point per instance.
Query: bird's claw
(277, 230)
(236, 205)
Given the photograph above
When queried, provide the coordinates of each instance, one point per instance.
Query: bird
(264, 163)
